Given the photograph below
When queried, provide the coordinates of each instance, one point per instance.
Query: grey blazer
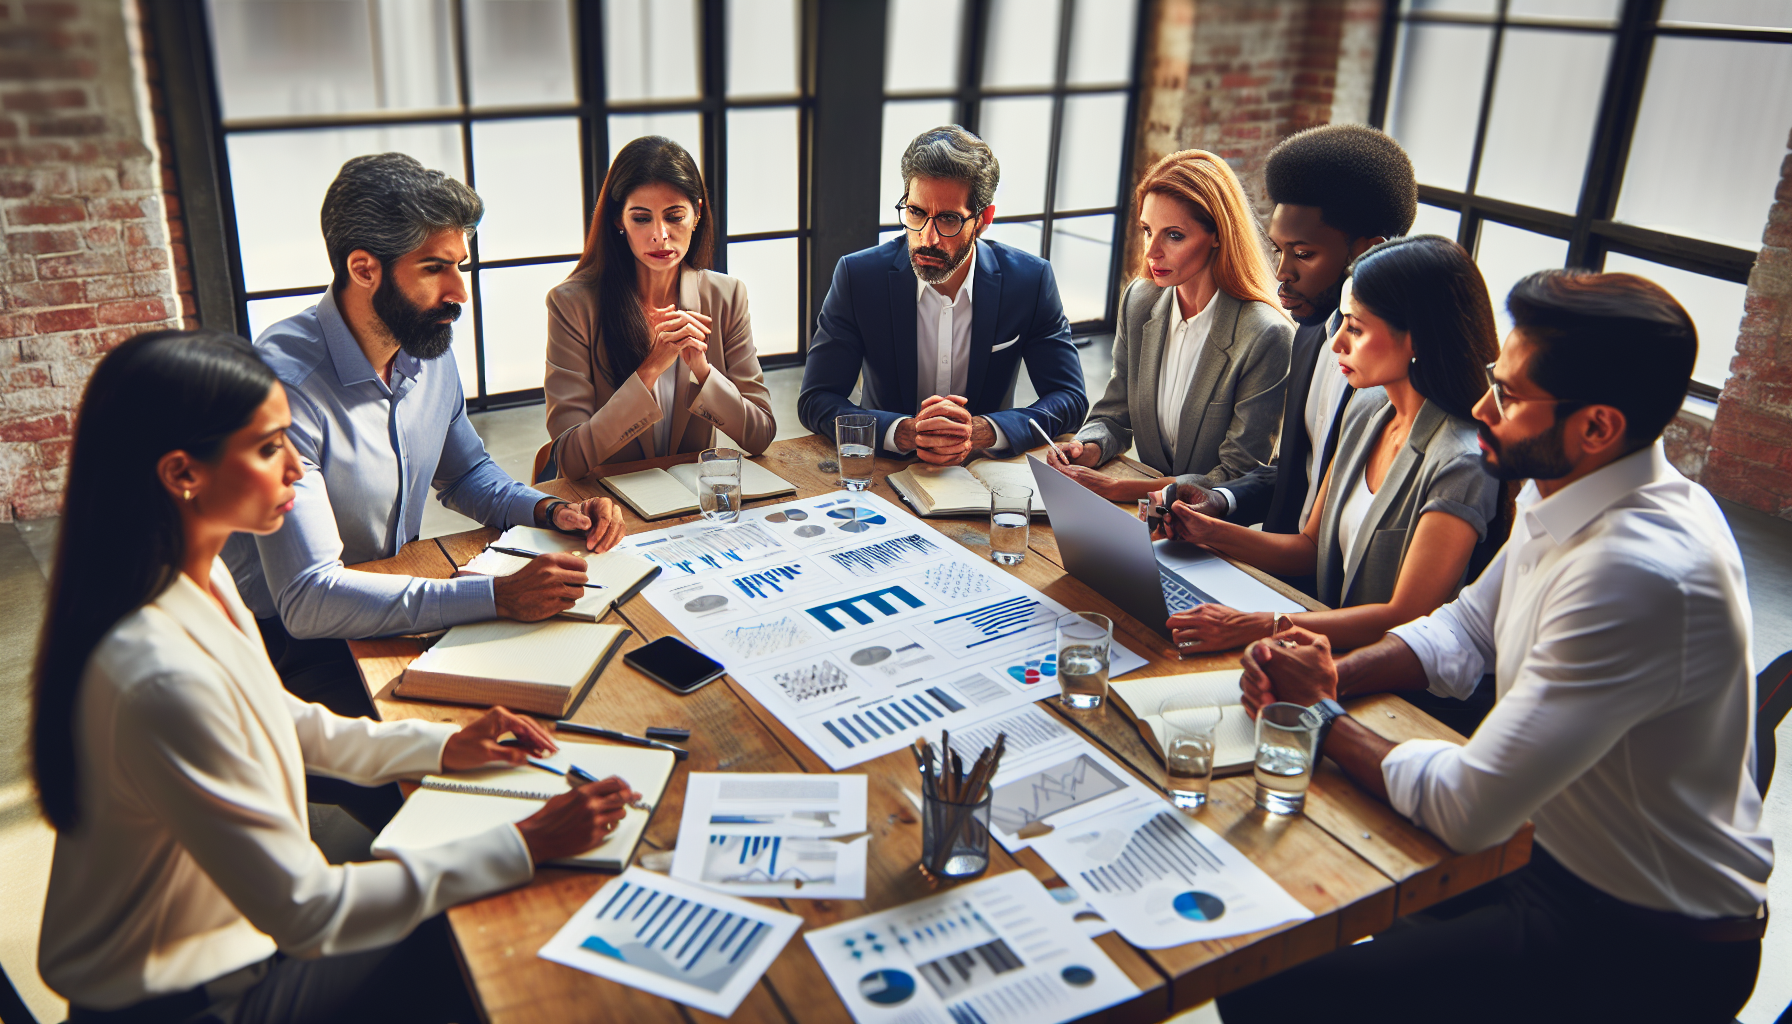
(1439, 469)
(1233, 411)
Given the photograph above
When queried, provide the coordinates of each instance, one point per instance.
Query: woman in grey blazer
(1201, 348)
(1407, 506)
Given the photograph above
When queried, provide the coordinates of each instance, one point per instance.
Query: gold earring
(186, 495)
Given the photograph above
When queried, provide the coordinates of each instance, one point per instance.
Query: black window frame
(968, 99)
(1591, 231)
(182, 34)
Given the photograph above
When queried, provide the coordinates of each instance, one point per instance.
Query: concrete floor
(513, 436)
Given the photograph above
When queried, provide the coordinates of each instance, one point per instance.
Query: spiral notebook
(449, 807)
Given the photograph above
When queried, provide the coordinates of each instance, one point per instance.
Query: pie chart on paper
(1199, 906)
(887, 987)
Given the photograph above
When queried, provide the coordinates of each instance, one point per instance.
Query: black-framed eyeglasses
(948, 224)
(1501, 396)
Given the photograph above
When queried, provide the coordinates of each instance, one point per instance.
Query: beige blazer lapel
(1411, 457)
(1148, 361)
(1210, 369)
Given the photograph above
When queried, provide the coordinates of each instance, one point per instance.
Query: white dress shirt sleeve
(1599, 664)
(183, 746)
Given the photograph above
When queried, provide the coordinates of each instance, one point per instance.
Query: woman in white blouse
(1201, 347)
(172, 763)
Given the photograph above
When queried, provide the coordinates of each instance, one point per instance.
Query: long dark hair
(608, 264)
(158, 392)
(1427, 286)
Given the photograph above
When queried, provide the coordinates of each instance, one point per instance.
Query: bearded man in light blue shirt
(379, 420)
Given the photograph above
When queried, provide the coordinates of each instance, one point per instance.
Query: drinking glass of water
(855, 438)
(718, 484)
(1287, 747)
(1188, 752)
(1010, 513)
(1083, 642)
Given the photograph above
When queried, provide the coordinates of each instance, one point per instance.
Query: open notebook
(1234, 742)
(963, 490)
(619, 574)
(658, 493)
(450, 807)
(540, 667)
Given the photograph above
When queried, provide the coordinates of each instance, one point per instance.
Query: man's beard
(1324, 305)
(424, 334)
(952, 260)
(1534, 458)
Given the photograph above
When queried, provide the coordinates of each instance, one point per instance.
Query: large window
(1625, 135)
(1049, 84)
(526, 101)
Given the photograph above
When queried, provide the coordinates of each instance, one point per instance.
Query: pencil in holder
(954, 836)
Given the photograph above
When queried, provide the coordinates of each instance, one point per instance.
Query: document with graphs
(857, 624)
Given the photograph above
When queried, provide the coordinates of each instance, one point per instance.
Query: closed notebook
(658, 493)
(962, 490)
(618, 575)
(540, 667)
(449, 807)
(1160, 702)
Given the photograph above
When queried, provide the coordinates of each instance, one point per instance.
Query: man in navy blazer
(939, 321)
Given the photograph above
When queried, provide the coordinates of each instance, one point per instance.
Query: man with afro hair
(1338, 189)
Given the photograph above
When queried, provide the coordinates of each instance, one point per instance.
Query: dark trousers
(416, 979)
(1538, 945)
(323, 672)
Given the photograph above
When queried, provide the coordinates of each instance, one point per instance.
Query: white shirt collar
(964, 290)
(1564, 513)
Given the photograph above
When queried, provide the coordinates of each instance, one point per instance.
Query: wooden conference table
(1349, 858)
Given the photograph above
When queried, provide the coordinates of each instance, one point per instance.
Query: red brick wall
(84, 259)
(1750, 458)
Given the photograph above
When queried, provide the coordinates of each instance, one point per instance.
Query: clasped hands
(676, 334)
(944, 432)
(553, 582)
(1294, 665)
(570, 823)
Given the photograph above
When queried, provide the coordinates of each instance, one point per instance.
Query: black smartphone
(674, 664)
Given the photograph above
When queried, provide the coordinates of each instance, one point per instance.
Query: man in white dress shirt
(936, 322)
(1616, 622)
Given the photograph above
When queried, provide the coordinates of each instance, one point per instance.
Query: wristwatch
(1328, 711)
(554, 506)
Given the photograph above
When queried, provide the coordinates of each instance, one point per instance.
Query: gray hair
(388, 204)
(954, 154)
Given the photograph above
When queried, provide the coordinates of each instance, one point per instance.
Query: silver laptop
(1109, 549)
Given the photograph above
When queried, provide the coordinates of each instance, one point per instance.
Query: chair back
(540, 472)
(1773, 695)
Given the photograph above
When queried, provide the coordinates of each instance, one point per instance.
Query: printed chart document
(673, 939)
(998, 951)
(858, 625)
(1048, 774)
(1164, 879)
(1161, 702)
(774, 834)
(618, 574)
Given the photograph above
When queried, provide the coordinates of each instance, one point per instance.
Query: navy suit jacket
(867, 325)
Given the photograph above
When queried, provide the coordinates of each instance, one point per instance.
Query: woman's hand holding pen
(576, 820)
(1075, 453)
(478, 744)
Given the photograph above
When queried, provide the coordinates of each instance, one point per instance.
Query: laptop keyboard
(1178, 595)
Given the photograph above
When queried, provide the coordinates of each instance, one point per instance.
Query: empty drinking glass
(1287, 746)
(718, 484)
(1188, 751)
(1083, 642)
(855, 440)
(1010, 514)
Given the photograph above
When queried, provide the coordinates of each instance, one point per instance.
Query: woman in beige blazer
(1407, 508)
(1201, 347)
(649, 353)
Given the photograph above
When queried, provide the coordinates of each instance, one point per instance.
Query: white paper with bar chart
(857, 624)
(1162, 878)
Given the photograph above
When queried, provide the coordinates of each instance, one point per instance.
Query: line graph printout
(859, 639)
(998, 951)
(673, 939)
(1164, 879)
(774, 834)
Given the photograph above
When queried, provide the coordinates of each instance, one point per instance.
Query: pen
(525, 553)
(1047, 438)
(581, 777)
(622, 737)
